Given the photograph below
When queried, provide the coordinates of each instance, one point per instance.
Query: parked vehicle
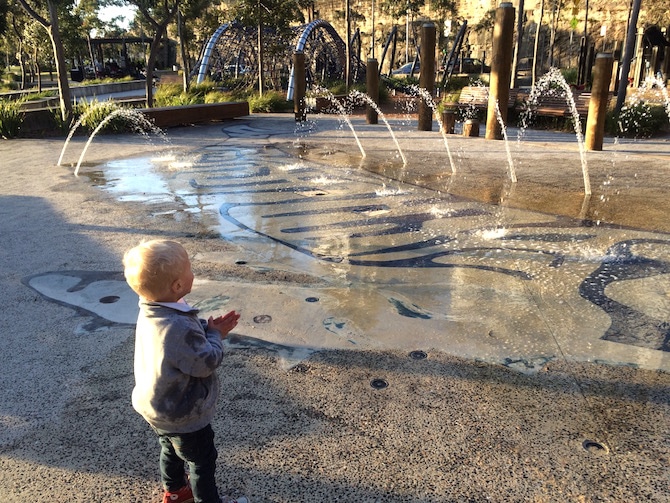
(470, 65)
(406, 69)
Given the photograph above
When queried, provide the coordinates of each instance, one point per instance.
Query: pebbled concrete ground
(301, 422)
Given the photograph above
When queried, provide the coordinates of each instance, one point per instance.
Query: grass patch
(11, 118)
(271, 101)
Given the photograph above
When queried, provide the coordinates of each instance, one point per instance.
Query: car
(470, 65)
(406, 70)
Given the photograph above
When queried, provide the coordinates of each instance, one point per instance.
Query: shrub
(202, 89)
(95, 113)
(219, 97)
(637, 120)
(271, 101)
(41, 95)
(11, 118)
(456, 83)
(62, 126)
(172, 94)
(167, 94)
(338, 88)
(570, 75)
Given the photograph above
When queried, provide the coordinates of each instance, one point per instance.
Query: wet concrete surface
(543, 313)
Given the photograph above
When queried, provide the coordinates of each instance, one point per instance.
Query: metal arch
(317, 23)
(211, 44)
(324, 48)
(302, 41)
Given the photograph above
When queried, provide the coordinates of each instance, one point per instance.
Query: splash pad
(519, 274)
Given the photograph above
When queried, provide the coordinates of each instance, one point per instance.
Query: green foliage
(402, 82)
(57, 121)
(570, 75)
(173, 95)
(11, 118)
(449, 101)
(41, 95)
(166, 94)
(399, 9)
(637, 120)
(106, 80)
(202, 88)
(271, 101)
(95, 113)
(10, 81)
(9, 86)
(456, 83)
(219, 97)
(337, 88)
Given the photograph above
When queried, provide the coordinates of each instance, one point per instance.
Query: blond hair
(151, 267)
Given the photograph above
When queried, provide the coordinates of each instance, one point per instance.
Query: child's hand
(223, 324)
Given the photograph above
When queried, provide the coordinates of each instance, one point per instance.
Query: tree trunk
(22, 65)
(90, 51)
(182, 46)
(552, 40)
(151, 62)
(59, 57)
(38, 70)
(519, 41)
(537, 41)
(260, 50)
(19, 53)
(347, 46)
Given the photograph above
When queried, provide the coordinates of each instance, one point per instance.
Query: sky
(108, 13)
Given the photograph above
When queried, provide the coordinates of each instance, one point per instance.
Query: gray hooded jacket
(176, 357)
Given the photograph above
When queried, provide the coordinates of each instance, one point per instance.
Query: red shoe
(183, 495)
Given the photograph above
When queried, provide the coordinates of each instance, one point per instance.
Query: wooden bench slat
(547, 105)
(478, 97)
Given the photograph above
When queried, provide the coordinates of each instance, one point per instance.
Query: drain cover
(595, 447)
(262, 318)
(379, 383)
(418, 355)
(110, 299)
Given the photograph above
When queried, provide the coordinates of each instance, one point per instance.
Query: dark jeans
(197, 449)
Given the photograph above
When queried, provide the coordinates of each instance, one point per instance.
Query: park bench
(478, 97)
(556, 105)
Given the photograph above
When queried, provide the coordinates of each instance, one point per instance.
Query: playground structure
(231, 52)
(230, 56)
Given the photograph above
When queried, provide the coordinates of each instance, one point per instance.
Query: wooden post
(600, 93)
(300, 83)
(427, 75)
(372, 88)
(448, 121)
(501, 70)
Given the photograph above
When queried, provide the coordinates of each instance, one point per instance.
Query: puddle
(429, 258)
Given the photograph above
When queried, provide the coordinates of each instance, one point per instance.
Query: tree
(192, 15)
(403, 8)
(536, 42)
(4, 10)
(556, 8)
(30, 43)
(276, 13)
(50, 24)
(486, 26)
(88, 11)
(158, 14)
